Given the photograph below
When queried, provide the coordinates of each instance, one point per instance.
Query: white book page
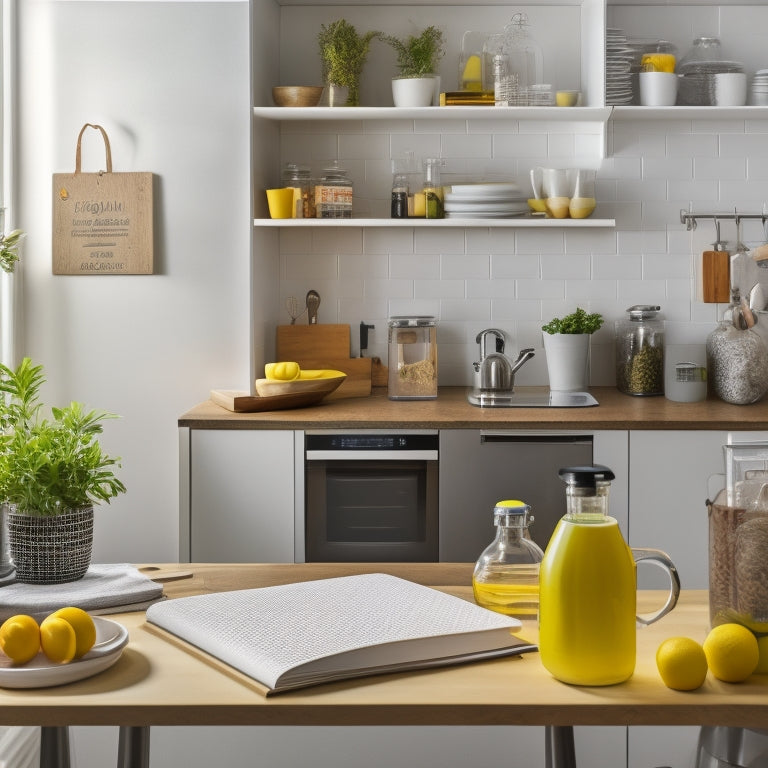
(267, 632)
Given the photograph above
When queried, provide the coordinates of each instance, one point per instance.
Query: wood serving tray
(240, 401)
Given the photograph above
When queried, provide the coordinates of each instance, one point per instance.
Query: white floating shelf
(689, 113)
(521, 222)
(573, 114)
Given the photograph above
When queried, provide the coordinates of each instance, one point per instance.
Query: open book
(296, 635)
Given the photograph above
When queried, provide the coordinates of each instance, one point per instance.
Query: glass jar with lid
(506, 575)
(412, 358)
(299, 177)
(640, 352)
(333, 193)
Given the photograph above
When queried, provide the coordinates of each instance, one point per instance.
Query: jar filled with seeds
(737, 363)
(412, 358)
(640, 352)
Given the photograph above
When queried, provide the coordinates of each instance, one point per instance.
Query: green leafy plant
(418, 55)
(577, 322)
(9, 250)
(343, 53)
(50, 465)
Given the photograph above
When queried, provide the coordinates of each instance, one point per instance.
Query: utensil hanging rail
(689, 218)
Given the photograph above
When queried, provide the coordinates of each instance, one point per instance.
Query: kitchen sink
(535, 399)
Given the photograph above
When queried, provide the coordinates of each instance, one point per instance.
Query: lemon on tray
(20, 638)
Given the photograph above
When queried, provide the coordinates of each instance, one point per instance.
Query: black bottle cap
(586, 477)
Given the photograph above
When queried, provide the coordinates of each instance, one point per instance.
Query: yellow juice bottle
(587, 589)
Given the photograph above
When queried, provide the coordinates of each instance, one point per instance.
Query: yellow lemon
(20, 638)
(82, 623)
(681, 663)
(58, 639)
(762, 664)
(732, 652)
(282, 371)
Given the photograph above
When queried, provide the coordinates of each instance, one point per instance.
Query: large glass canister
(640, 352)
(506, 575)
(299, 177)
(333, 193)
(412, 358)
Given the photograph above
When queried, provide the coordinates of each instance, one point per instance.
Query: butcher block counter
(452, 411)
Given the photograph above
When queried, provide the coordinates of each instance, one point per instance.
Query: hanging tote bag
(102, 222)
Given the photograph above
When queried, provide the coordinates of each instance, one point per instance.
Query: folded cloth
(109, 588)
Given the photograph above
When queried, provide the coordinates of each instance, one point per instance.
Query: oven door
(371, 509)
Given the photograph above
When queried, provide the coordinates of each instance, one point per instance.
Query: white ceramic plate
(485, 190)
(111, 638)
(487, 208)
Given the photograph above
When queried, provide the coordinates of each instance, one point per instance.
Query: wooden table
(155, 682)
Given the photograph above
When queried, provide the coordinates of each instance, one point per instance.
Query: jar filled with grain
(640, 352)
(412, 358)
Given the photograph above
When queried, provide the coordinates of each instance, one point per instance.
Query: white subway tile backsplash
(517, 278)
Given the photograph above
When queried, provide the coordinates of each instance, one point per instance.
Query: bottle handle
(661, 560)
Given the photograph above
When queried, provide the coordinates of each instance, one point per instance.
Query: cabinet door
(241, 496)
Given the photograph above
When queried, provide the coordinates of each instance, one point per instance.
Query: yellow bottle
(587, 588)
(506, 575)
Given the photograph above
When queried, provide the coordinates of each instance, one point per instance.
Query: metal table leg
(560, 752)
(54, 746)
(133, 747)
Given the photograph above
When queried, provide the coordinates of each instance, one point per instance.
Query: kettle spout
(524, 356)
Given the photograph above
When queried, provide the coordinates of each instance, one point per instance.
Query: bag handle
(78, 153)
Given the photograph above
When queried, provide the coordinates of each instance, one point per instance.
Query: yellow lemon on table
(682, 663)
(58, 639)
(732, 652)
(82, 623)
(20, 638)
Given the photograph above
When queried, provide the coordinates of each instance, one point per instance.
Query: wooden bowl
(297, 95)
(271, 387)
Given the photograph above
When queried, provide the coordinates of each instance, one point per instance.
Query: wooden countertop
(452, 411)
(157, 682)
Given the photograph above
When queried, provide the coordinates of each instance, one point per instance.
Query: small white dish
(41, 672)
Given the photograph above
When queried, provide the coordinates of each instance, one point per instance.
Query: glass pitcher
(506, 575)
(587, 587)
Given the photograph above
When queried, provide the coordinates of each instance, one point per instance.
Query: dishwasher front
(479, 468)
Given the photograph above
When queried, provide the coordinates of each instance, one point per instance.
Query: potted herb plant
(343, 53)
(417, 61)
(52, 472)
(566, 345)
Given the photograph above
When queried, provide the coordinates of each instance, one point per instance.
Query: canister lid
(511, 507)
(586, 477)
(643, 311)
(412, 321)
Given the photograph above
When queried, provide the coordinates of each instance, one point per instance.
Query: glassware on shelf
(471, 61)
(433, 189)
(333, 193)
(299, 177)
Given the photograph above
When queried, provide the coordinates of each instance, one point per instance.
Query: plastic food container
(412, 358)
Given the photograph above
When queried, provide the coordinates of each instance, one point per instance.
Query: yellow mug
(281, 203)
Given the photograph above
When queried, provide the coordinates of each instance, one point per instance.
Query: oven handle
(371, 455)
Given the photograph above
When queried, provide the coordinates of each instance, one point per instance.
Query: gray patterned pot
(50, 550)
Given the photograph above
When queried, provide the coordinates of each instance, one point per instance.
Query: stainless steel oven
(371, 496)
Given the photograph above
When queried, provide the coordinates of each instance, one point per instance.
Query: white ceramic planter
(413, 91)
(567, 361)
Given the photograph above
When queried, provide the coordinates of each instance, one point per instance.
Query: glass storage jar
(333, 193)
(640, 352)
(299, 177)
(412, 358)
(506, 575)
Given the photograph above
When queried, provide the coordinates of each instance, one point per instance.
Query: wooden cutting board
(325, 345)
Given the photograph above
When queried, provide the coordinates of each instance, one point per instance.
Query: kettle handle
(661, 560)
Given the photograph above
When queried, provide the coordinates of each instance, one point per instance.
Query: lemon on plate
(82, 623)
(682, 663)
(58, 639)
(732, 652)
(20, 638)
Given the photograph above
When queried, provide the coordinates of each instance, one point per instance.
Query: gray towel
(110, 588)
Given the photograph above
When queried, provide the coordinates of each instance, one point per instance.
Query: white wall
(169, 81)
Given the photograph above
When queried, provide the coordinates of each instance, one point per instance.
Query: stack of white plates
(495, 200)
(760, 88)
(618, 68)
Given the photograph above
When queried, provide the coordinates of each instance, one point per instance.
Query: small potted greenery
(52, 472)
(418, 57)
(9, 249)
(343, 53)
(566, 345)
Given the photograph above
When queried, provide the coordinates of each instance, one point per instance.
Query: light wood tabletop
(159, 682)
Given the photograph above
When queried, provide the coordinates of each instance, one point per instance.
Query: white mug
(730, 89)
(658, 89)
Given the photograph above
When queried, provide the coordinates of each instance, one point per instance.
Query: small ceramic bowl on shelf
(297, 95)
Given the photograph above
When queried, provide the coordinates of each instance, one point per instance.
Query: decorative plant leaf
(418, 55)
(343, 54)
(577, 322)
